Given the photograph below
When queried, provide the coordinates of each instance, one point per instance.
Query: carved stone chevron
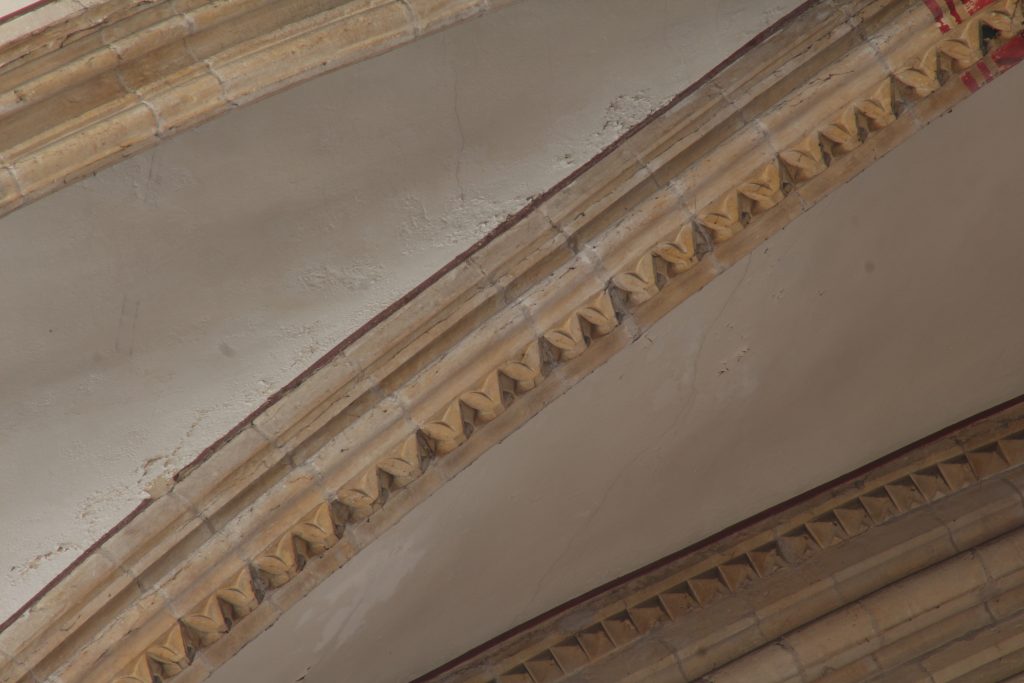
(951, 494)
(104, 79)
(354, 444)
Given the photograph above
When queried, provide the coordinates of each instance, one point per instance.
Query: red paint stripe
(969, 81)
(975, 6)
(933, 5)
(952, 10)
(24, 10)
(1010, 54)
(985, 71)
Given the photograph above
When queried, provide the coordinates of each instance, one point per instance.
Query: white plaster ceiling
(10, 6)
(888, 311)
(151, 307)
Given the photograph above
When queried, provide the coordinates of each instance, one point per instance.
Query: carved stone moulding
(398, 409)
(883, 576)
(84, 83)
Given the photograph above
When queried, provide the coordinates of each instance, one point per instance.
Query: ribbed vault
(401, 412)
(910, 570)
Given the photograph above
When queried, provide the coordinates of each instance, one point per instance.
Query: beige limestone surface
(886, 312)
(151, 307)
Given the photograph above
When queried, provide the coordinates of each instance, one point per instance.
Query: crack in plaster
(458, 119)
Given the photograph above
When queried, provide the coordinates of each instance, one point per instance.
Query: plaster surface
(151, 307)
(10, 6)
(887, 312)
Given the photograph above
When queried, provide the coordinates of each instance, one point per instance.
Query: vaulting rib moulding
(869, 577)
(316, 476)
(104, 79)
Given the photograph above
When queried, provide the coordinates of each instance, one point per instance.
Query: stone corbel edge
(313, 478)
(85, 83)
(711, 606)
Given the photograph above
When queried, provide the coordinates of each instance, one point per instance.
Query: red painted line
(952, 10)
(940, 18)
(1010, 54)
(969, 80)
(985, 71)
(1003, 58)
(975, 6)
(24, 10)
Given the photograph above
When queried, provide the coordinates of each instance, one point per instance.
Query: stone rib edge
(981, 461)
(960, 619)
(406, 407)
(101, 80)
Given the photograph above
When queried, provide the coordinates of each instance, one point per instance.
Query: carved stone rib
(98, 84)
(404, 407)
(861, 597)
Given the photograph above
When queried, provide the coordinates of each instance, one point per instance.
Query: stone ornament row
(357, 444)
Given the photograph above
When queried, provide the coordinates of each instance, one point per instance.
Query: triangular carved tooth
(362, 494)
(965, 49)
(241, 593)
(449, 430)
(595, 641)
(737, 572)
(826, 530)
(797, 545)
(595, 318)
(318, 529)
(1012, 450)
(1001, 19)
(879, 505)
(957, 472)
(280, 562)
(854, 517)
(764, 189)
(723, 218)
(922, 79)
(641, 283)
(488, 399)
(621, 628)
(805, 160)
(208, 621)
(600, 313)
(959, 53)
(568, 338)
(843, 132)
(173, 651)
(648, 614)
(930, 483)
(405, 463)
(544, 668)
(681, 253)
(878, 109)
(678, 600)
(905, 494)
(139, 671)
(570, 655)
(708, 586)
(525, 370)
(767, 559)
(986, 463)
